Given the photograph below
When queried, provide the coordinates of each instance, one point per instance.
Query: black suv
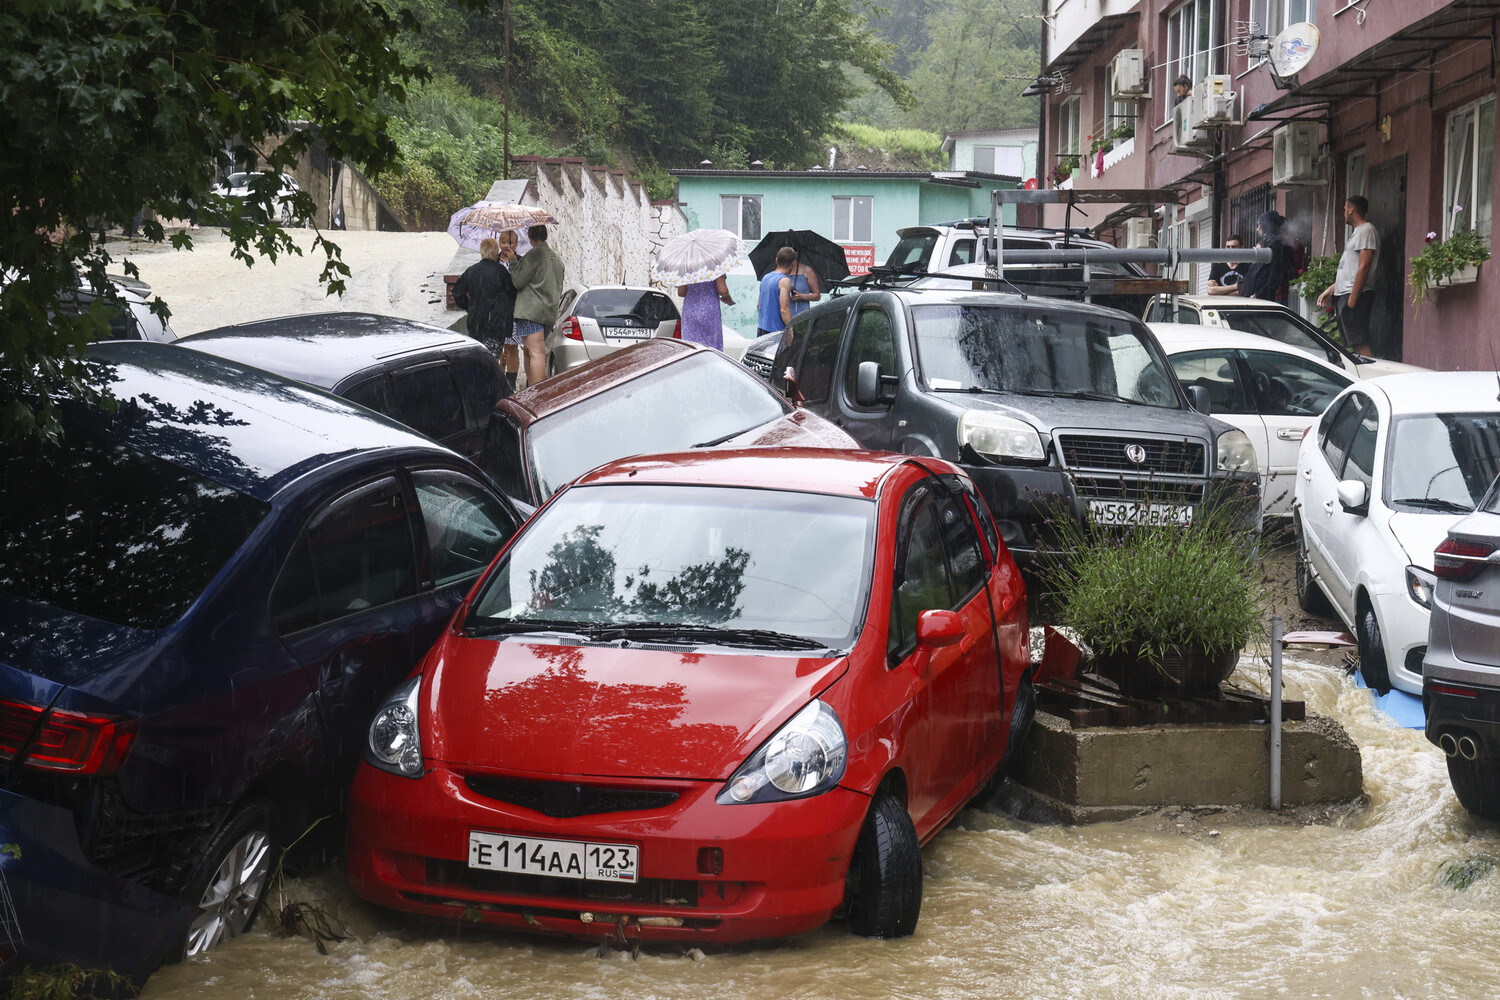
(1040, 400)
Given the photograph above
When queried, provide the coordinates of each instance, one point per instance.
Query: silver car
(1461, 672)
(601, 319)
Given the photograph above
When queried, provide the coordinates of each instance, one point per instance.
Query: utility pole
(505, 98)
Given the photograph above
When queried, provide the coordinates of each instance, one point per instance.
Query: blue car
(204, 592)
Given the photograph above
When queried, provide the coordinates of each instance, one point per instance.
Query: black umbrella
(817, 252)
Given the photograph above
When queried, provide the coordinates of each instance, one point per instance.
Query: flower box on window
(1463, 276)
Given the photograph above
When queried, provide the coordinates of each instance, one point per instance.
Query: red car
(705, 696)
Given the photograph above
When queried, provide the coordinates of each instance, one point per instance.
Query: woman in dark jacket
(1269, 280)
(486, 292)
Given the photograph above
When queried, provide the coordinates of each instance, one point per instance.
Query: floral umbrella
(698, 256)
(488, 219)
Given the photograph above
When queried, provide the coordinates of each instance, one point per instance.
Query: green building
(858, 209)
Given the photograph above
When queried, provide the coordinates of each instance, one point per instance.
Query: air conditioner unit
(1128, 68)
(1188, 140)
(1214, 102)
(1294, 154)
(1139, 234)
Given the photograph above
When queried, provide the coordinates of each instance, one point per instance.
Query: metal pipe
(1467, 748)
(1158, 255)
(1448, 744)
(1276, 712)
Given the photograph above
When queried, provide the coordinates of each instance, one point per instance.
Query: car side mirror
(1199, 399)
(867, 384)
(1354, 497)
(936, 629)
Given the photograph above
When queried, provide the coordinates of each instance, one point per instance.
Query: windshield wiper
(725, 437)
(1094, 394)
(1435, 503)
(678, 632)
(521, 626)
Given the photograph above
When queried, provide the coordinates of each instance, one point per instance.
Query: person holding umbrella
(805, 287)
(775, 312)
(696, 263)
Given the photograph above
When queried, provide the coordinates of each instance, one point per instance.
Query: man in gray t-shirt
(1351, 284)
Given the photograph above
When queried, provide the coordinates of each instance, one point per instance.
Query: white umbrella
(698, 256)
(487, 219)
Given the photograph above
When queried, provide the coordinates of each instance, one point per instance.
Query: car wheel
(230, 880)
(885, 877)
(1372, 665)
(1477, 785)
(1310, 596)
(1021, 715)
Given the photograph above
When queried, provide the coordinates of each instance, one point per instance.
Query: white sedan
(1391, 466)
(597, 320)
(238, 185)
(1269, 390)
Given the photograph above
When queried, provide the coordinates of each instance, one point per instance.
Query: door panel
(1291, 394)
(1320, 492)
(1350, 539)
(1221, 373)
(872, 337)
(1387, 196)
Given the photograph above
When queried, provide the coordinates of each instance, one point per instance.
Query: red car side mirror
(936, 629)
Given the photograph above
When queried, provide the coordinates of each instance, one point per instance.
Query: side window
(357, 553)
(982, 514)
(502, 459)
(465, 526)
(1340, 430)
(874, 340)
(1361, 464)
(921, 582)
(427, 400)
(963, 253)
(1290, 386)
(965, 562)
(480, 383)
(372, 392)
(1155, 312)
(1217, 372)
(815, 365)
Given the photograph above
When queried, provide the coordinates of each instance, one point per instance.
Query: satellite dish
(1291, 51)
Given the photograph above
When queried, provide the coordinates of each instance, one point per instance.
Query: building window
(984, 159)
(853, 220)
(1070, 126)
(1192, 47)
(1354, 173)
(1269, 17)
(1468, 169)
(740, 214)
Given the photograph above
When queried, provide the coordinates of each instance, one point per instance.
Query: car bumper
(1463, 710)
(61, 908)
(1403, 630)
(784, 864)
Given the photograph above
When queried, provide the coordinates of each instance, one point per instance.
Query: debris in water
(309, 920)
(471, 913)
(1462, 874)
(1213, 833)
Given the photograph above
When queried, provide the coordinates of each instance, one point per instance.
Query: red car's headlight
(395, 741)
(805, 757)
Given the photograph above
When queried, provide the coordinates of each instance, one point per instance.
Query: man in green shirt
(538, 277)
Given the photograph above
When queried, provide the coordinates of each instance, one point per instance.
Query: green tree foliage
(108, 105)
(903, 25)
(972, 72)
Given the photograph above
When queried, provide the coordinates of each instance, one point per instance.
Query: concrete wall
(607, 227)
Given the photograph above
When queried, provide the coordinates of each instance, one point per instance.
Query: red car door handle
(966, 644)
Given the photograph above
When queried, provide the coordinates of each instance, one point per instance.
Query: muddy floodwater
(1179, 904)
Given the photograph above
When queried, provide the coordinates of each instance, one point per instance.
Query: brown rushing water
(1174, 905)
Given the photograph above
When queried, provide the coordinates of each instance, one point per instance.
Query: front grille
(1149, 490)
(1163, 456)
(758, 364)
(656, 891)
(563, 799)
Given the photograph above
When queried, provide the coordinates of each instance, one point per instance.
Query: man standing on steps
(538, 277)
(1351, 284)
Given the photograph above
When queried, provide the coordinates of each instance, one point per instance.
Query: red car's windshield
(797, 564)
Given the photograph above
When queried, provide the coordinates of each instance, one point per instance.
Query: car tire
(885, 876)
(1310, 596)
(230, 879)
(1477, 785)
(1021, 715)
(1372, 662)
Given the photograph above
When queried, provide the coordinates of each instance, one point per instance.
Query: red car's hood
(517, 705)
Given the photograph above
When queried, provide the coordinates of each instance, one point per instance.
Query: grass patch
(1464, 873)
(896, 140)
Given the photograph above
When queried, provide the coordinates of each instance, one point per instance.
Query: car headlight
(1236, 453)
(395, 743)
(998, 436)
(1419, 584)
(805, 757)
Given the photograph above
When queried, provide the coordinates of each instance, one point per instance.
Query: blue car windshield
(102, 530)
(791, 563)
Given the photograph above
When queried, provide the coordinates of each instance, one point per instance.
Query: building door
(1387, 194)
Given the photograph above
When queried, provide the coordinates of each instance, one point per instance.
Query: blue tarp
(1404, 709)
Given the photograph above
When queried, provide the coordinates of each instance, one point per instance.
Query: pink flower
(1431, 237)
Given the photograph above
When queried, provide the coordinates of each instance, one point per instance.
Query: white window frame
(1189, 53)
(854, 205)
(739, 214)
(1477, 145)
(1070, 127)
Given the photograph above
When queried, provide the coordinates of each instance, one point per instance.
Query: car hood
(1377, 368)
(43, 648)
(800, 429)
(524, 706)
(1047, 414)
(1419, 534)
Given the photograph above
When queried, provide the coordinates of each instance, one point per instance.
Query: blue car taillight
(66, 741)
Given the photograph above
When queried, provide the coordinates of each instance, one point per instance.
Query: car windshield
(913, 252)
(1277, 325)
(103, 530)
(701, 400)
(626, 307)
(1443, 460)
(979, 348)
(792, 564)
(237, 180)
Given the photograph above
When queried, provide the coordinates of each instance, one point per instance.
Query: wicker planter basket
(1184, 672)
